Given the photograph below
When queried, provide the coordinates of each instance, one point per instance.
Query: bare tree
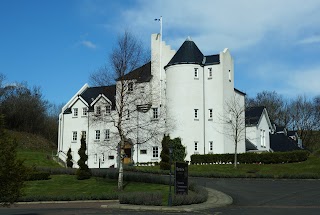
(233, 120)
(275, 104)
(132, 112)
(304, 117)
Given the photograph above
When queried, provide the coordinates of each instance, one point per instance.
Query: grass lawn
(68, 185)
(310, 168)
(37, 158)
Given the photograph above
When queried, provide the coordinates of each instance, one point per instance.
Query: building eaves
(141, 74)
(93, 92)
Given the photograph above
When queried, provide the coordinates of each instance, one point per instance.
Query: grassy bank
(67, 187)
(306, 169)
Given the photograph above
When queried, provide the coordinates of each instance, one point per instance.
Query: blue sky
(57, 44)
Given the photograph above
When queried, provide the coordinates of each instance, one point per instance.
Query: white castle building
(181, 93)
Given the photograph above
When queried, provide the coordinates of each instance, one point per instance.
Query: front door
(127, 151)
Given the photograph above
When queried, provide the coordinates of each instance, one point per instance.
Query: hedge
(265, 158)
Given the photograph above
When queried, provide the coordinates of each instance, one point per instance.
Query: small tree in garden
(165, 156)
(83, 172)
(178, 150)
(69, 159)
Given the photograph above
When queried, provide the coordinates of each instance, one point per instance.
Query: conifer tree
(165, 154)
(69, 159)
(83, 172)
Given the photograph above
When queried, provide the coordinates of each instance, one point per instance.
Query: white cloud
(88, 44)
(310, 40)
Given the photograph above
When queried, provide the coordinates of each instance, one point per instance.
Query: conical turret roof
(188, 53)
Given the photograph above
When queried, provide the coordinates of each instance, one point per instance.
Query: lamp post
(170, 162)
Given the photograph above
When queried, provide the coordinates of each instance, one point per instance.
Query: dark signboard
(181, 178)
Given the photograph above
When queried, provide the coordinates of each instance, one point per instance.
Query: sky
(57, 44)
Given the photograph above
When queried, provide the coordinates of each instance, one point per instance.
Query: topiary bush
(165, 159)
(69, 159)
(83, 172)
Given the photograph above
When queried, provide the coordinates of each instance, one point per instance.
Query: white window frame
(95, 158)
(128, 114)
(108, 109)
(155, 151)
(84, 134)
(196, 73)
(143, 150)
(98, 110)
(98, 135)
(75, 112)
(210, 113)
(210, 73)
(155, 113)
(196, 113)
(74, 136)
(210, 146)
(107, 134)
(196, 146)
(102, 157)
(229, 75)
(85, 111)
(130, 86)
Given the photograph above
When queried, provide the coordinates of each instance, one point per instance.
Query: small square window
(143, 151)
(83, 134)
(210, 73)
(229, 75)
(75, 112)
(210, 113)
(155, 151)
(107, 134)
(110, 157)
(130, 86)
(196, 113)
(102, 157)
(155, 113)
(74, 136)
(98, 110)
(84, 111)
(108, 109)
(97, 134)
(196, 73)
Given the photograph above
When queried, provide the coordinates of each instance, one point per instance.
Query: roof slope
(141, 74)
(253, 115)
(93, 92)
(187, 53)
(282, 143)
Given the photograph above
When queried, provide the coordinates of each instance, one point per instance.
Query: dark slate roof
(187, 53)
(91, 93)
(250, 145)
(212, 59)
(253, 115)
(141, 74)
(240, 92)
(282, 143)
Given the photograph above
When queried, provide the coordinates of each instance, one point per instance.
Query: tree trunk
(235, 155)
(120, 176)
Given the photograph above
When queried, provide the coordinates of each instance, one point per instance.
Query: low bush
(69, 197)
(37, 175)
(196, 195)
(141, 198)
(249, 158)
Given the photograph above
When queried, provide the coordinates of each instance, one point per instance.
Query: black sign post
(181, 178)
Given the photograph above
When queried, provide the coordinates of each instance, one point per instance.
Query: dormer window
(108, 110)
(196, 73)
(98, 110)
(130, 86)
(75, 112)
